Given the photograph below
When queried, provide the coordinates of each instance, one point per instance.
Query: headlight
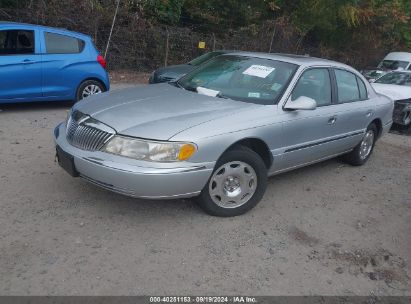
(68, 116)
(150, 150)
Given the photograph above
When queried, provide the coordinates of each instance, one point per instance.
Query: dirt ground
(328, 229)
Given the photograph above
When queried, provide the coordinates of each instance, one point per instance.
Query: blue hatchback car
(39, 63)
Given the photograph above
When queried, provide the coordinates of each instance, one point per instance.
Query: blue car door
(62, 68)
(20, 65)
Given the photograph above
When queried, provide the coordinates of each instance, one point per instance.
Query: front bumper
(136, 178)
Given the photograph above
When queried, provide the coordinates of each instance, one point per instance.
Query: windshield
(242, 78)
(393, 64)
(204, 58)
(397, 78)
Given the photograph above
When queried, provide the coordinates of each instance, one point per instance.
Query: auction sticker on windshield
(253, 94)
(259, 71)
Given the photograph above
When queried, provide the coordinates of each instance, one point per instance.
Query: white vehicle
(397, 86)
(396, 61)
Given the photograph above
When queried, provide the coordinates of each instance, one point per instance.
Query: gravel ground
(328, 229)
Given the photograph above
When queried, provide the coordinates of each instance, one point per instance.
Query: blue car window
(16, 42)
(62, 44)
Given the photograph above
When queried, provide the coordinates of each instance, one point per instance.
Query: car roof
(36, 26)
(302, 60)
(402, 56)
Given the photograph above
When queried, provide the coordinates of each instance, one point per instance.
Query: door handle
(28, 61)
(332, 120)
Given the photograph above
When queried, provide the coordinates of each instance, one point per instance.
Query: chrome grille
(87, 133)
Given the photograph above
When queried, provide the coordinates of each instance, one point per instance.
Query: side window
(347, 86)
(316, 84)
(16, 42)
(363, 89)
(62, 44)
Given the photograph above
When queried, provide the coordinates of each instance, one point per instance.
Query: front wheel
(237, 184)
(363, 150)
(88, 88)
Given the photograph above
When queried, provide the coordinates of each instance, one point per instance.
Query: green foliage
(164, 11)
(332, 23)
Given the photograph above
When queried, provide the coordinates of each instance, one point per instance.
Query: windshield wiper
(192, 89)
(176, 84)
(179, 85)
(220, 95)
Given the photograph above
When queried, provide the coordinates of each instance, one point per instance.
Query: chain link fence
(138, 46)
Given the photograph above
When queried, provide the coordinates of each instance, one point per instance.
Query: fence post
(213, 42)
(167, 43)
(272, 39)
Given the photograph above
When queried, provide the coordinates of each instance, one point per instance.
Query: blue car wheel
(88, 88)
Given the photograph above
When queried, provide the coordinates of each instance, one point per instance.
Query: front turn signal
(186, 152)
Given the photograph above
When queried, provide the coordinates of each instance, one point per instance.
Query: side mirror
(301, 103)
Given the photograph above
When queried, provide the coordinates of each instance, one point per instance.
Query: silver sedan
(220, 131)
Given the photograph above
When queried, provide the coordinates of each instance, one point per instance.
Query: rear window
(62, 44)
(16, 42)
(347, 86)
(363, 89)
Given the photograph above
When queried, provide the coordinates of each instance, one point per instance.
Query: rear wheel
(363, 150)
(237, 184)
(88, 88)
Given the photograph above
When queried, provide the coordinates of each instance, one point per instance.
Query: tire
(88, 88)
(236, 185)
(363, 150)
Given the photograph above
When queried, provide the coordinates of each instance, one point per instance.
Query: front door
(310, 135)
(20, 65)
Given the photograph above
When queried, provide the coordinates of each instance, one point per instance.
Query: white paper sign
(208, 92)
(259, 71)
(253, 94)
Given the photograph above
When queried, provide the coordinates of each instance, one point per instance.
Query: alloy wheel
(89, 90)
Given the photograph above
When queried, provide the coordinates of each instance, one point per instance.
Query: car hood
(395, 92)
(174, 71)
(157, 111)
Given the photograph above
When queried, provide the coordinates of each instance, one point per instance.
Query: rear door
(354, 110)
(62, 69)
(20, 64)
(310, 135)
